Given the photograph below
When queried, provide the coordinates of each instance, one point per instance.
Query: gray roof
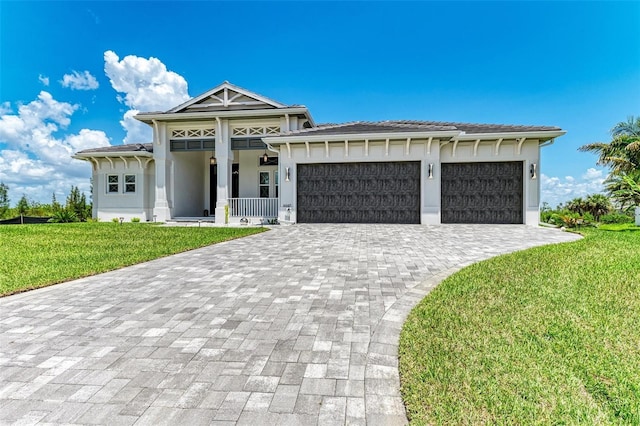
(144, 147)
(398, 126)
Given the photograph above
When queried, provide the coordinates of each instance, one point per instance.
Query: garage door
(359, 193)
(482, 192)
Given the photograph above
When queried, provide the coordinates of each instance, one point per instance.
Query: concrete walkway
(298, 325)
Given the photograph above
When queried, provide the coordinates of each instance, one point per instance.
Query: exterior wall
(357, 151)
(127, 205)
(249, 165)
(508, 151)
(189, 170)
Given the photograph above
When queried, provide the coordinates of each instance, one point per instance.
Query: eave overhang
(206, 115)
(301, 138)
(87, 156)
(542, 136)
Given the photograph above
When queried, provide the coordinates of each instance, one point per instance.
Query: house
(232, 155)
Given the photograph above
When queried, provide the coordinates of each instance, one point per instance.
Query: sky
(73, 74)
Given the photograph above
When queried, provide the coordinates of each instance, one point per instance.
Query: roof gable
(226, 97)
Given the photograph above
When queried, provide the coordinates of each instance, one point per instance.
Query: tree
(77, 203)
(4, 199)
(55, 205)
(625, 188)
(23, 205)
(622, 153)
(622, 156)
(597, 205)
(577, 205)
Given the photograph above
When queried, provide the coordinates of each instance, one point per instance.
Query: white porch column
(161, 207)
(224, 160)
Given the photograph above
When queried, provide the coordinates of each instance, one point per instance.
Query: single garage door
(482, 192)
(359, 193)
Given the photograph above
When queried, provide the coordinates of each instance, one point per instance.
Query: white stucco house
(231, 154)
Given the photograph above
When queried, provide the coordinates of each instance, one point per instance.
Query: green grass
(35, 256)
(550, 335)
(619, 227)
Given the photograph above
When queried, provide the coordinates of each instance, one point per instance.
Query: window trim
(116, 183)
(126, 184)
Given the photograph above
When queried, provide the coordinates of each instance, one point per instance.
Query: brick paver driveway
(298, 325)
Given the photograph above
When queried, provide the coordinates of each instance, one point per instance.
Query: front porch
(208, 187)
(251, 211)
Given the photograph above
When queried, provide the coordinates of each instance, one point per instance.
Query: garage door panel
(482, 192)
(359, 193)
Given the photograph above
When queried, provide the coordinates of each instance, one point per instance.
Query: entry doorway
(213, 185)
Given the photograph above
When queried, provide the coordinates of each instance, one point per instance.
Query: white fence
(253, 207)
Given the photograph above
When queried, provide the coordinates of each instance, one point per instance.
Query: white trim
(475, 147)
(225, 102)
(169, 117)
(498, 143)
(546, 134)
(338, 137)
(103, 154)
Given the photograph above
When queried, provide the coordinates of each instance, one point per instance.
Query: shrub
(115, 220)
(64, 216)
(135, 219)
(616, 217)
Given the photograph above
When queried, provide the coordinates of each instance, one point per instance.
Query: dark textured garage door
(359, 193)
(482, 192)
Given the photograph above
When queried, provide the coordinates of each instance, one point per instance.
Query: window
(129, 183)
(264, 185)
(275, 182)
(113, 184)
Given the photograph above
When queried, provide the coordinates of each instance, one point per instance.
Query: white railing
(253, 207)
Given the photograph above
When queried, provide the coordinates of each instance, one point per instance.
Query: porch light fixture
(430, 170)
(287, 175)
(532, 171)
(265, 157)
(212, 159)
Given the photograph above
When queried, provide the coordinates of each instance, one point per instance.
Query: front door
(213, 184)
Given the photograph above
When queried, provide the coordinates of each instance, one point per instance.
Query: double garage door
(389, 192)
(359, 192)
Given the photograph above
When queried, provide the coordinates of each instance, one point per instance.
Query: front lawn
(550, 335)
(34, 256)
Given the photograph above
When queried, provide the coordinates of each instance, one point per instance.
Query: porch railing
(253, 207)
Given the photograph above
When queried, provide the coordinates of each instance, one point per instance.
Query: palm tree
(598, 205)
(622, 156)
(622, 153)
(631, 127)
(625, 188)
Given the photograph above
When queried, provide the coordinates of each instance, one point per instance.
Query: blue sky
(570, 64)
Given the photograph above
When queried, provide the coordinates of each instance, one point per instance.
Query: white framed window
(129, 184)
(113, 184)
(275, 183)
(263, 184)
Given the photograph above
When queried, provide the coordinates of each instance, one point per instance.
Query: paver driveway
(298, 325)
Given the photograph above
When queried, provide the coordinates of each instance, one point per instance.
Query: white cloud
(43, 79)
(80, 81)
(5, 108)
(36, 161)
(556, 190)
(147, 85)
